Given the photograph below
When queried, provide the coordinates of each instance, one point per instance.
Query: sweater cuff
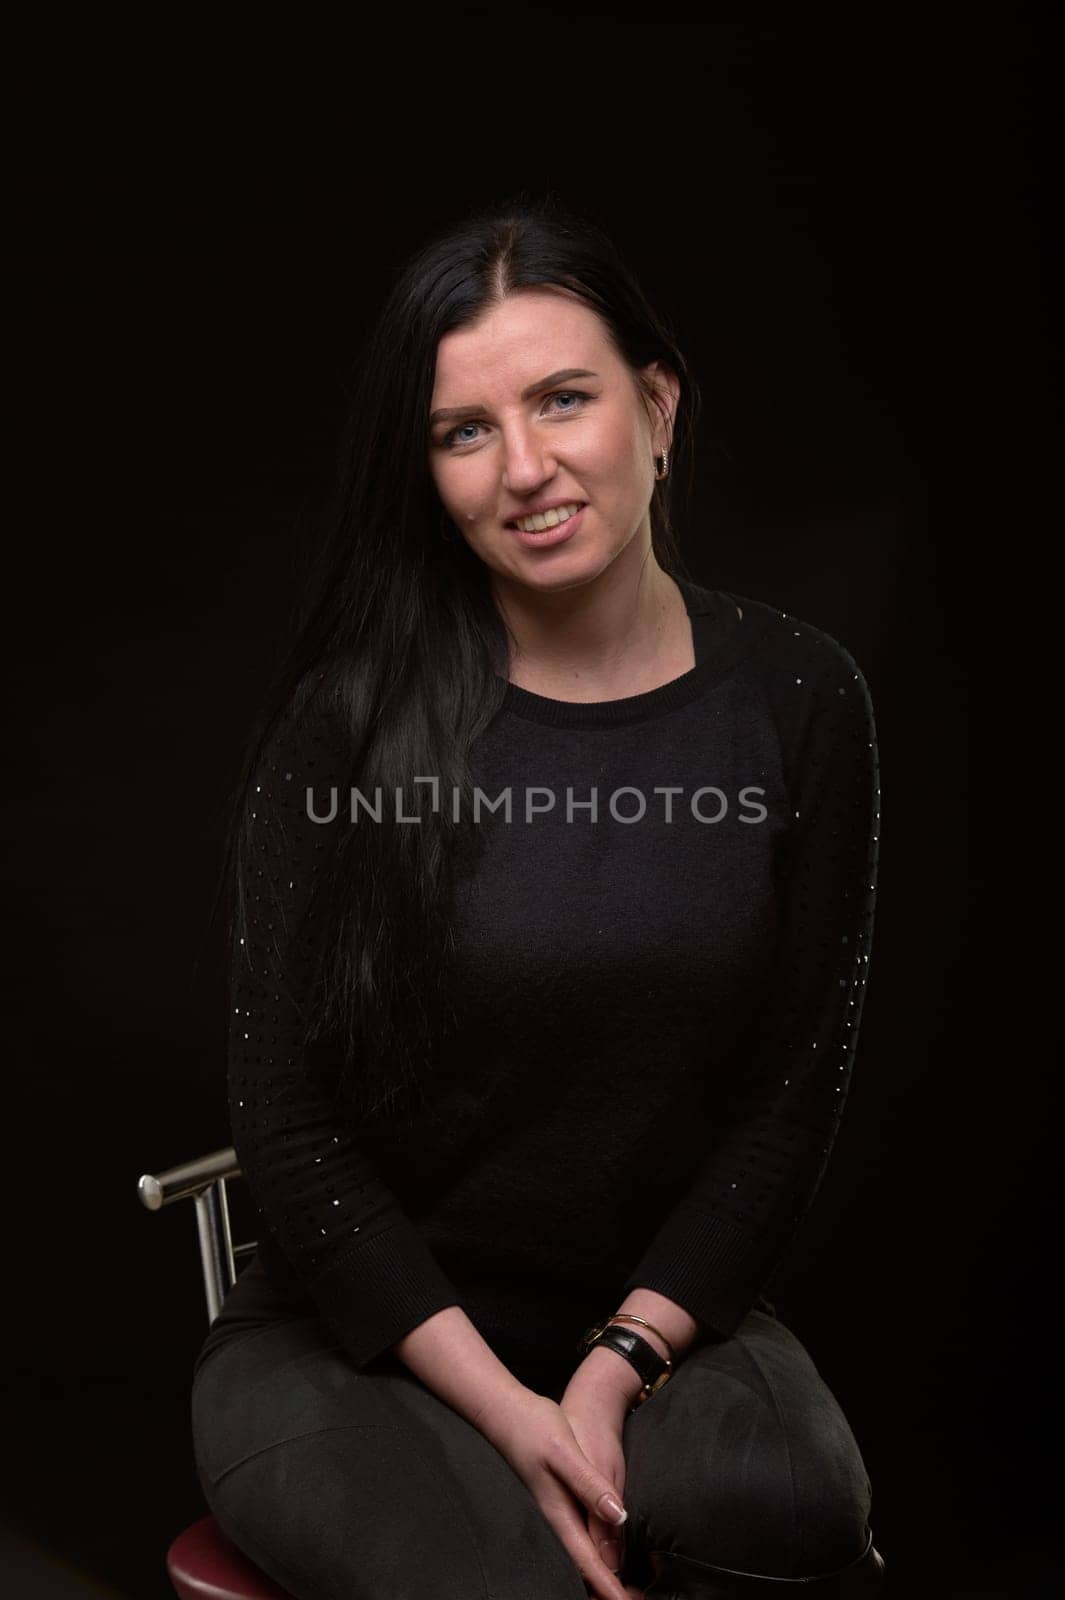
(382, 1289)
(706, 1265)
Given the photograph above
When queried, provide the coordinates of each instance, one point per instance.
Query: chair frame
(204, 1181)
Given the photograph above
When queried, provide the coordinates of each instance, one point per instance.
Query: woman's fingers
(593, 1488)
(603, 1535)
(538, 1440)
(597, 1494)
(598, 1431)
(568, 1522)
(611, 1549)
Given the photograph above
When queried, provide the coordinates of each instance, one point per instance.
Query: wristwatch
(655, 1370)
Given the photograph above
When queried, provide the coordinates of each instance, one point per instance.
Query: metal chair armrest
(204, 1182)
(178, 1183)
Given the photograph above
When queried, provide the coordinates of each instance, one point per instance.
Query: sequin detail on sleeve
(339, 1227)
(720, 1244)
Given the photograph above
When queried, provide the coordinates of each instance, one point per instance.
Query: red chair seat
(204, 1565)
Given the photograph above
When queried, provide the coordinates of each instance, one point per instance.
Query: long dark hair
(398, 626)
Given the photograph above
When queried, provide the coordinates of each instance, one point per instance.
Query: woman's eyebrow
(454, 413)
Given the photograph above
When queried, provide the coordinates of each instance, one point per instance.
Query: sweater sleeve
(721, 1243)
(342, 1231)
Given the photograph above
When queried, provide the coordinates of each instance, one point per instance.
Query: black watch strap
(652, 1368)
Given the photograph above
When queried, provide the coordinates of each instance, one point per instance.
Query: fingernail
(612, 1509)
(611, 1551)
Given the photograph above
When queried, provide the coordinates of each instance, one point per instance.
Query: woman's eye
(454, 436)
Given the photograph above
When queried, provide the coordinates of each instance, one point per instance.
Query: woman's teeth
(547, 519)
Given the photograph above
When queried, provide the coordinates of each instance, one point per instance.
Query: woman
(554, 884)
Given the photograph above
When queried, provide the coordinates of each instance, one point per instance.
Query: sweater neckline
(716, 629)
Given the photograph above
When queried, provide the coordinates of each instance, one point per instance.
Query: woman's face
(551, 413)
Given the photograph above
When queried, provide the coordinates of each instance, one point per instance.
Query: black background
(841, 221)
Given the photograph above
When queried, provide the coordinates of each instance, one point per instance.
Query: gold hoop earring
(662, 465)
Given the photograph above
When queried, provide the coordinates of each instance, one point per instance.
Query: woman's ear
(666, 388)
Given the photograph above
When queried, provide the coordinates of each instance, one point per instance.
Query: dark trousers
(348, 1485)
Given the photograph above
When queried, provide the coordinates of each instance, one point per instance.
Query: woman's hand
(539, 1441)
(596, 1409)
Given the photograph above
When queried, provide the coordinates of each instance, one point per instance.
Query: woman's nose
(527, 460)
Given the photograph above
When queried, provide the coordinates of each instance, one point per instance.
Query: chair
(202, 1563)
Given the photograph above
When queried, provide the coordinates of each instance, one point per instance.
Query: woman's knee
(829, 1486)
(377, 1516)
(364, 1485)
(750, 1463)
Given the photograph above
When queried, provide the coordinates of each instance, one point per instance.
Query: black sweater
(659, 1007)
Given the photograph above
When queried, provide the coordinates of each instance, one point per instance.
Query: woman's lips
(550, 536)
